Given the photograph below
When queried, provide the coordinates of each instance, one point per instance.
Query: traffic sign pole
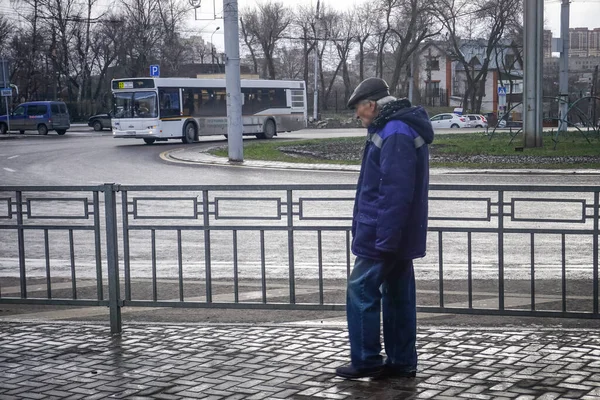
(6, 84)
(7, 115)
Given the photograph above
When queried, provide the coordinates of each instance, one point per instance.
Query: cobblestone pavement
(152, 361)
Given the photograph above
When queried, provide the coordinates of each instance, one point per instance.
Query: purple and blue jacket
(391, 204)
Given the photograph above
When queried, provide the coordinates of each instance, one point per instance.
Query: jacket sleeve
(398, 163)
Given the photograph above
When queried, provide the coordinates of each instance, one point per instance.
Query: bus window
(249, 99)
(123, 107)
(297, 98)
(188, 101)
(144, 105)
(278, 98)
(169, 103)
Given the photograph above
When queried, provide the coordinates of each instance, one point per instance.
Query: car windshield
(135, 105)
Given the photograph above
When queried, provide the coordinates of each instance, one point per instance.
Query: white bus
(156, 109)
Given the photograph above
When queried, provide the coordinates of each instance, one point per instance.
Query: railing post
(290, 225)
(501, 250)
(595, 247)
(112, 257)
(21, 240)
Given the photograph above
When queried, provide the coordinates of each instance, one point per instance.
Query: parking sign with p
(155, 71)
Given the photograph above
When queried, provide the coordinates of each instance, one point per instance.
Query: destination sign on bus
(133, 84)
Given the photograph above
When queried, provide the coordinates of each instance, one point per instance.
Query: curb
(202, 158)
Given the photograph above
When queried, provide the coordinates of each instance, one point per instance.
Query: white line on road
(11, 157)
(9, 170)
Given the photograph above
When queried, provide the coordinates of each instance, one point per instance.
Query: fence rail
(492, 249)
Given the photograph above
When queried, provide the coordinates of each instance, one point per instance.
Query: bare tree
(106, 45)
(250, 16)
(302, 25)
(323, 30)
(290, 62)
(142, 31)
(272, 20)
(345, 35)
(365, 27)
(492, 17)
(6, 31)
(172, 50)
(413, 23)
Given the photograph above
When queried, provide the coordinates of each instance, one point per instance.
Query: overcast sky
(584, 13)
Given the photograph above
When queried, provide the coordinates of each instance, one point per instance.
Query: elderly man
(389, 230)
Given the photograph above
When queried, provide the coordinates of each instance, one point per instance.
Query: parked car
(450, 121)
(100, 121)
(41, 116)
(506, 122)
(477, 120)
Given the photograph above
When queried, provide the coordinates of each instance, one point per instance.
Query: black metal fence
(493, 249)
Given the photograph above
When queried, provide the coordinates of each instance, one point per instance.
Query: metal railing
(492, 249)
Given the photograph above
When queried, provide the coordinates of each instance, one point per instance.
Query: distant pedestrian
(389, 230)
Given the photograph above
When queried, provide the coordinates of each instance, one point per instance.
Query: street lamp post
(212, 49)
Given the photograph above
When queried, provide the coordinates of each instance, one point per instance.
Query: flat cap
(369, 89)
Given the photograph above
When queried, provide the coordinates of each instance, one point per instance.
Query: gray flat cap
(369, 89)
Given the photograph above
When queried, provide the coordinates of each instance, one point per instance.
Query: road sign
(502, 101)
(155, 71)
(6, 92)
(501, 91)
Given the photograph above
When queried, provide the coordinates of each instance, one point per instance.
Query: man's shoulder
(396, 127)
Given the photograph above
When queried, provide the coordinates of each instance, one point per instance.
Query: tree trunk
(361, 59)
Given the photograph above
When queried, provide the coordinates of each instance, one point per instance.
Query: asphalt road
(84, 157)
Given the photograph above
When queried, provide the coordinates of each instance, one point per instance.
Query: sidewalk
(204, 361)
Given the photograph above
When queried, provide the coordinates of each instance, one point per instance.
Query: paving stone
(66, 361)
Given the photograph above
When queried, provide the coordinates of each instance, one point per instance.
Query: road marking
(11, 157)
(9, 170)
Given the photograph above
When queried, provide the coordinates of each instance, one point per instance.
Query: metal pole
(532, 99)
(112, 258)
(7, 115)
(232, 81)
(6, 84)
(316, 93)
(563, 78)
(212, 50)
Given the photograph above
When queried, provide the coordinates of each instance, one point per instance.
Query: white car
(450, 121)
(477, 120)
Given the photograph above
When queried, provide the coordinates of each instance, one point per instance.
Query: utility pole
(593, 94)
(316, 93)
(533, 22)
(232, 81)
(563, 78)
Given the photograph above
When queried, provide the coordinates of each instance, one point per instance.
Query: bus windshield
(135, 105)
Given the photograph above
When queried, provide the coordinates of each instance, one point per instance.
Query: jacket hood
(415, 117)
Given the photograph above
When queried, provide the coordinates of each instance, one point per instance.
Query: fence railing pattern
(492, 249)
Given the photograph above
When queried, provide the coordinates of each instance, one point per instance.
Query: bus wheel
(269, 131)
(149, 141)
(189, 133)
(3, 129)
(42, 129)
(61, 131)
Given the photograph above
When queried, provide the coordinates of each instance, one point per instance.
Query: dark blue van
(40, 116)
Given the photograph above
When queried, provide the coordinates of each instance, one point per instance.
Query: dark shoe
(390, 371)
(350, 372)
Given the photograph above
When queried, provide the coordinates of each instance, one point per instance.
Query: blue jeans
(392, 281)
